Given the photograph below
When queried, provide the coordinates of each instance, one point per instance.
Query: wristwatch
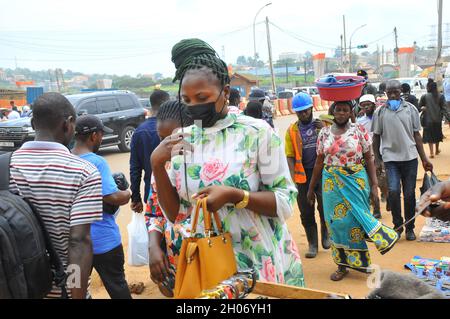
(244, 202)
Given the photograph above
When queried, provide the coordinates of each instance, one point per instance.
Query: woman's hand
(219, 196)
(311, 197)
(171, 146)
(158, 264)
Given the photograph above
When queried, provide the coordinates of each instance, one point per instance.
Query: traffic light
(363, 46)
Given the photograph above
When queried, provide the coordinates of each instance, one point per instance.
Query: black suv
(119, 110)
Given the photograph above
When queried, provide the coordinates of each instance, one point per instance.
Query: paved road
(318, 270)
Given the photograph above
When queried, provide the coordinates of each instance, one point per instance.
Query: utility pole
(439, 51)
(345, 45)
(342, 52)
(57, 80)
(378, 56)
(396, 46)
(287, 73)
(63, 83)
(255, 55)
(50, 77)
(269, 44)
(382, 55)
(15, 59)
(304, 61)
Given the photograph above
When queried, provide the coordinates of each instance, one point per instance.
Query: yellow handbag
(204, 262)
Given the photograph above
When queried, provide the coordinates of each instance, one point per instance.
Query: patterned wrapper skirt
(346, 193)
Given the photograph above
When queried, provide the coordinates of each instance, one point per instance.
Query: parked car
(145, 103)
(418, 85)
(311, 90)
(119, 110)
(287, 94)
(147, 106)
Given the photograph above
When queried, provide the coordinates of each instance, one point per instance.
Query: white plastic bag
(137, 241)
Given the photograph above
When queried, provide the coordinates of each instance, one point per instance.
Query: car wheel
(125, 139)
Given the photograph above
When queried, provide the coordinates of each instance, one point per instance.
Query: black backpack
(29, 264)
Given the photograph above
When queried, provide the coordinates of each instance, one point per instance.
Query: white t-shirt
(447, 89)
(14, 115)
(367, 123)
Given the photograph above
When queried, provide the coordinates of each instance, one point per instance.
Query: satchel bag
(204, 262)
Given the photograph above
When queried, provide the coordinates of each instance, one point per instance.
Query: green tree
(241, 60)
(283, 62)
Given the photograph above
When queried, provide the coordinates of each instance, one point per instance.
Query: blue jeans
(406, 174)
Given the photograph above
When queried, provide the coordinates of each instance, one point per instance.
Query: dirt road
(317, 271)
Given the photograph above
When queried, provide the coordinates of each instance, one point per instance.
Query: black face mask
(206, 113)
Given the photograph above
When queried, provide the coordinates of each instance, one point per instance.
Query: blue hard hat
(302, 101)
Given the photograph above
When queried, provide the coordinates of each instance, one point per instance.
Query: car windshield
(285, 95)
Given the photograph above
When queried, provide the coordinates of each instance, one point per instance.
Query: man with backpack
(65, 191)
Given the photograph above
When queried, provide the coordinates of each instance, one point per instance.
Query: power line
(382, 38)
(87, 60)
(301, 39)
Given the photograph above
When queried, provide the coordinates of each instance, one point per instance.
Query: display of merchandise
(433, 272)
(435, 231)
(238, 286)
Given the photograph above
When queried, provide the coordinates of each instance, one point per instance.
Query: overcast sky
(136, 36)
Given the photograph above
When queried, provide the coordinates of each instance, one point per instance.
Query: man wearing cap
(301, 152)
(368, 106)
(368, 88)
(108, 258)
(259, 96)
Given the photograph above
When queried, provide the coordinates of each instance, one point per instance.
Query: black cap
(362, 73)
(87, 124)
(257, 95)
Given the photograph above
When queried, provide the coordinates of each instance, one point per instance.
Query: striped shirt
(65, 190)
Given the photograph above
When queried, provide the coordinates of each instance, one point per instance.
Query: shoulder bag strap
(5, 161)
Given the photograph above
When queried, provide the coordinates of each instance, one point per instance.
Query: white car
(418, 85)
(311, 90)
(290, 93)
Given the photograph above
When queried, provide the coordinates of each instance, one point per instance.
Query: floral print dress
(244, 153)
(173, 233)
(346, 193)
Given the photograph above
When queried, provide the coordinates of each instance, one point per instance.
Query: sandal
(339, 274)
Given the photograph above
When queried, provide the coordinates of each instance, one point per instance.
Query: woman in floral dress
(229, 157)
(347, 187)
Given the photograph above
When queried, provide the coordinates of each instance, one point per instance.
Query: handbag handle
(208, 225)
(202, 203)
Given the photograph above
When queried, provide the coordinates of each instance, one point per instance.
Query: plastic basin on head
(345, 88)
